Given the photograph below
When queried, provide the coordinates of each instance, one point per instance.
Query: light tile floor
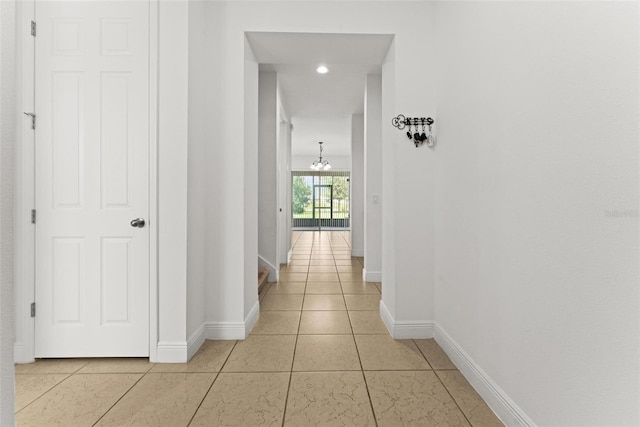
(318, 355)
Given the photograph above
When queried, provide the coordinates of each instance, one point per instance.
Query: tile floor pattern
(318, 355)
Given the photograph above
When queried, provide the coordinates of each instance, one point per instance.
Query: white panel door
(92, 179)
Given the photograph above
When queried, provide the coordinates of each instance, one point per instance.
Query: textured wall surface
(357, 185)
(268, 173)
(373, 178)
(7, 140)
(537, 202)
(197, 165)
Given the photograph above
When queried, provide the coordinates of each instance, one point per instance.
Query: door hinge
(33, 119)
(33, 216)
(33, 309)
(33, 28)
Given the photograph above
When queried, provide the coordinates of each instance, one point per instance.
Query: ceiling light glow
(322, 69)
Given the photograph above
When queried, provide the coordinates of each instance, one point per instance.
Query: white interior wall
(357, 185)
(338, 163)
(225, 178)
(268, 173)
(537, 149)
(407, 223)
(250, 205)
(387, 304)
(197, 167)
(373, 179)
(284, 180)
(173, 120)
(7, 138)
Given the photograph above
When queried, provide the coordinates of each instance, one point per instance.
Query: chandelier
(320, 164)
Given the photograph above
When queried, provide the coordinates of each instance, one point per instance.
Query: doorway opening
(343, 108)
(321, 200)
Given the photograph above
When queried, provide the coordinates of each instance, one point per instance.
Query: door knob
(138, 222)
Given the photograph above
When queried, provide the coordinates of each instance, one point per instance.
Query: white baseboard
(19, 354)
(386, 317)
(412, 329)
(232, 330)
(505, 408)
(289, 255)
(172, 352)
(359, 252)
(224, 331)
(195, 341)
(251, 319)
(371, 276)
(274, 272)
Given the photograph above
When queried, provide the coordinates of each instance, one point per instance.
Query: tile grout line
(212, 383)
(77, 372)
(69, 375)
(321, 247)
(355, 344)
(317, 371)
(207, 392)
(422, 353)
(295, 344)
(440, 381)
(452, 398)
(121, 397)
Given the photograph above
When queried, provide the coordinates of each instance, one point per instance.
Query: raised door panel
(92, 179)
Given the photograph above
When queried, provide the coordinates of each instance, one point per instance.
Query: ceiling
(309, 48)
(335, 132)
(309, 94)
(321, 105)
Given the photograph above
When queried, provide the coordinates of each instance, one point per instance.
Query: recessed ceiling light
(322, 70)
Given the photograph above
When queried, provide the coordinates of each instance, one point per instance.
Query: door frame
(24, 238)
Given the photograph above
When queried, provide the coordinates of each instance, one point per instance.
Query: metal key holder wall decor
(418, 124)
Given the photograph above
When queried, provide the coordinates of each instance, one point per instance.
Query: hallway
(514, 240)
(318, 355)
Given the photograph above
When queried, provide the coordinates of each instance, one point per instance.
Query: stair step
(263, 275)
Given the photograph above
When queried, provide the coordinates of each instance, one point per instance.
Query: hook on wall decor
(418, 138)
